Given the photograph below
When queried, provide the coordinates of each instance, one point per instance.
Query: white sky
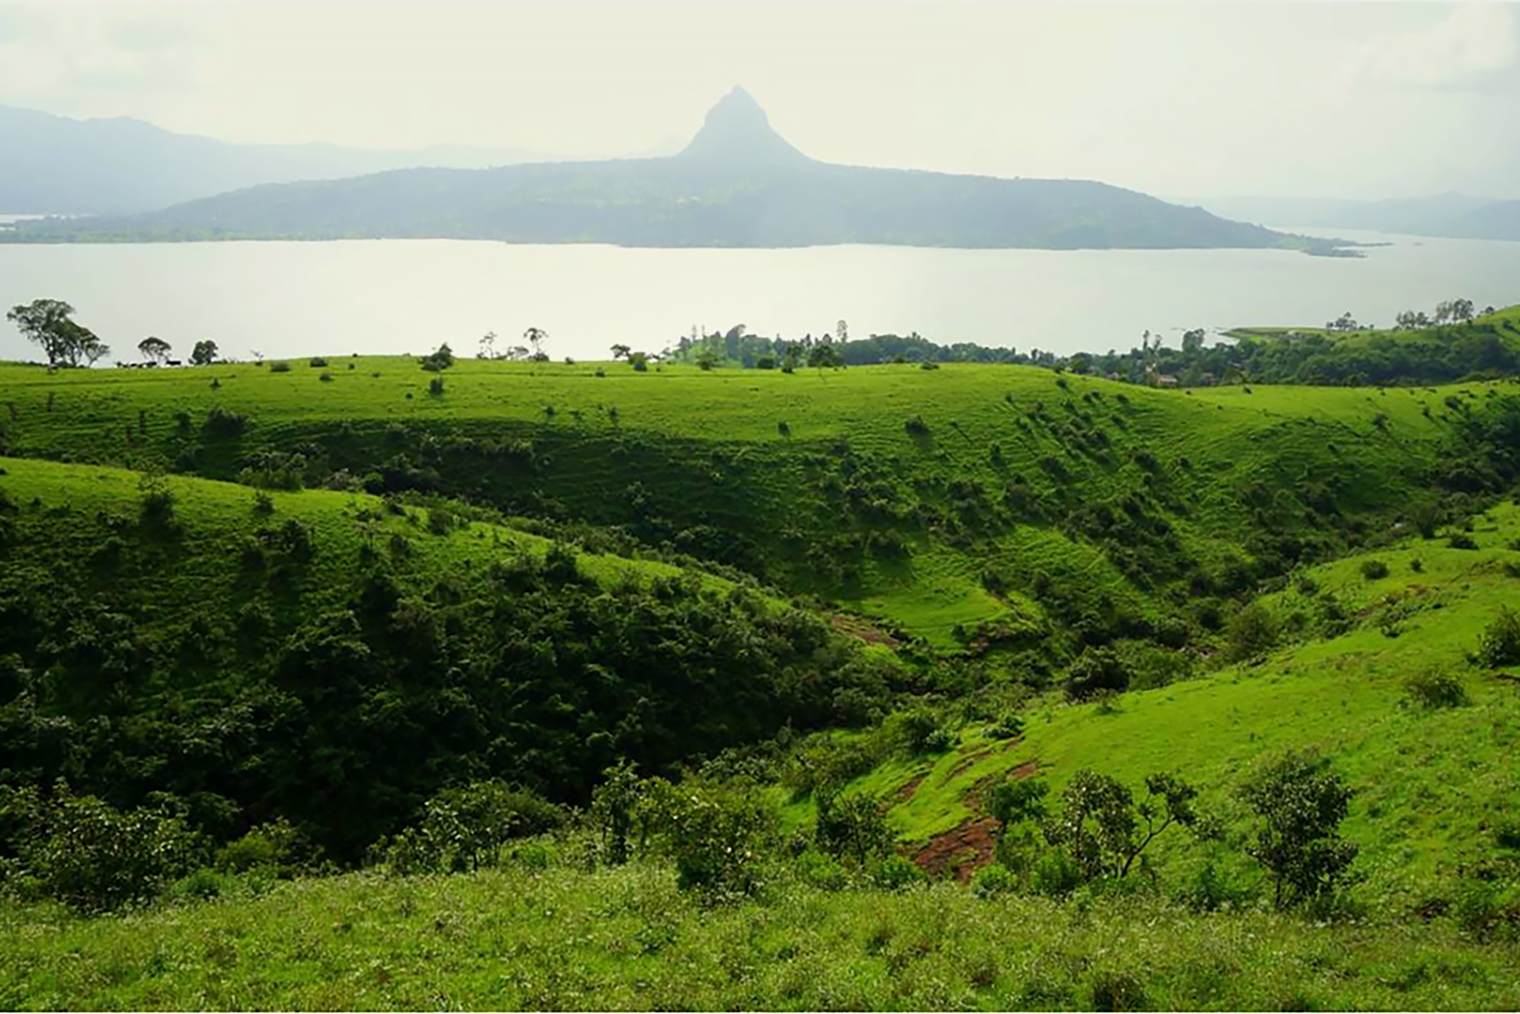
(1179, 99)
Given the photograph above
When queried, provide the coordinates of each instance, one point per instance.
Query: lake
(287, 299)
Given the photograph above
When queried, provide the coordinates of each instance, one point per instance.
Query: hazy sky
(1181, 100)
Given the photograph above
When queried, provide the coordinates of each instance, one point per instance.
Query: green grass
(706, 450)
(1432, 787)
(628, 939)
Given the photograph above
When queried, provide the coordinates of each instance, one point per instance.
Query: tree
(1097, 826)
(842, 332)
(439, 360)
(1301, 804)
(153, 349)
(1192, 341)
(706, 359)
(619, 351)
(204, 353)
(825, 354)
(1462, 310)
(487, 346)
(535, 338)
(48, 323)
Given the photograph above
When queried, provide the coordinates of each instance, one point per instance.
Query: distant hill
(1452, 215)
(737, 184)
(56, 165)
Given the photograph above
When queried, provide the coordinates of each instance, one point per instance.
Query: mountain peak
(738, 132)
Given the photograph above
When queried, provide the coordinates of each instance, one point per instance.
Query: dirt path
(963, 850)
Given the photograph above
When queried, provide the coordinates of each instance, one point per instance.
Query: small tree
(1097, 826)
(1252, 632)
(49, 323)
(852, 828)
(204, 353)
(487, 346)
(1301, 804)
(155, 349)
(619, 351)
(439, 360)
(535, 338)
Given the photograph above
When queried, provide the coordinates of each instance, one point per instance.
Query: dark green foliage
(1300, 804)
(224, 424)
(88, 854)
(435, 386)
(1500, 645)
(1095, 671)
(614, 810)
(317, 362)
(1460, 541)
(275, 847)
(1435, 688)
(852, 828)
(916, 426)
(439, 360)
(1252, 632)
(279, 367)
(1374, 570)
(917, 732)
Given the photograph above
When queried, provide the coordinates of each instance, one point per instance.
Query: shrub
(916, 426)
(435, 387)
(317, 362)
(225, 424)
(1252, 632)
(853, 828)
(716, 835)
(993, 880)
(464, 828)
(1500, 645)
(1461, 541)
(439, 360)
(928, 364)
(279, 367)
(1435, 688)
(1301, 804)
(1097, 669)
(326, 377)
(275, 847)
(1374, 570)
(89, 855)
(765, 363)
(893, 873)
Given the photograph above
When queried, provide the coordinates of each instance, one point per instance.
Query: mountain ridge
(738, 183)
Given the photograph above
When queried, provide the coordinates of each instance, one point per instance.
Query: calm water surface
(296, 299)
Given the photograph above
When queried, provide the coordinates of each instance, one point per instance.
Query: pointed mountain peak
(738, 132)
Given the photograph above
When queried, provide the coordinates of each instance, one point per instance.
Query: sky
(1182, 100)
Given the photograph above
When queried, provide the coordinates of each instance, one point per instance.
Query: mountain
(738, 183)
(1453, 215)
(56, 165)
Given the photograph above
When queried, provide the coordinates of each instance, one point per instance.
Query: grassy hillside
(1434, 787)
(929, 499)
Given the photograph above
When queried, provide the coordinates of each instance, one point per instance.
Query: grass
(1432, 786)
(563, 938)
(683, 449)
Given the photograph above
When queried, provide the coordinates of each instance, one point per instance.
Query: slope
(945, 500)
(1435, 788)
(334, 658)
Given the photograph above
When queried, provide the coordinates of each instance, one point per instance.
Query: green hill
(335, 659)
(932, 500)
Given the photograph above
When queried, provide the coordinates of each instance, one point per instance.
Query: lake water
(298, 299)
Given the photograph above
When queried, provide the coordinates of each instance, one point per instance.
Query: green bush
(993, 880)
(317, 362)
(435, 387)
(716, 835)
(1096, 670)
(276, 847)
(1500, 645)
(464, 828)
(89, 855)
(1434, 688)
(822, 871)
(1461, 541)
(1252, 633)
(1374, 570)
(279, 367)
(893, 873)
(852, 828)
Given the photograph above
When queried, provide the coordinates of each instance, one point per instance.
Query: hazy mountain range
(738, 183)
(57, 165)
(1459, 216)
